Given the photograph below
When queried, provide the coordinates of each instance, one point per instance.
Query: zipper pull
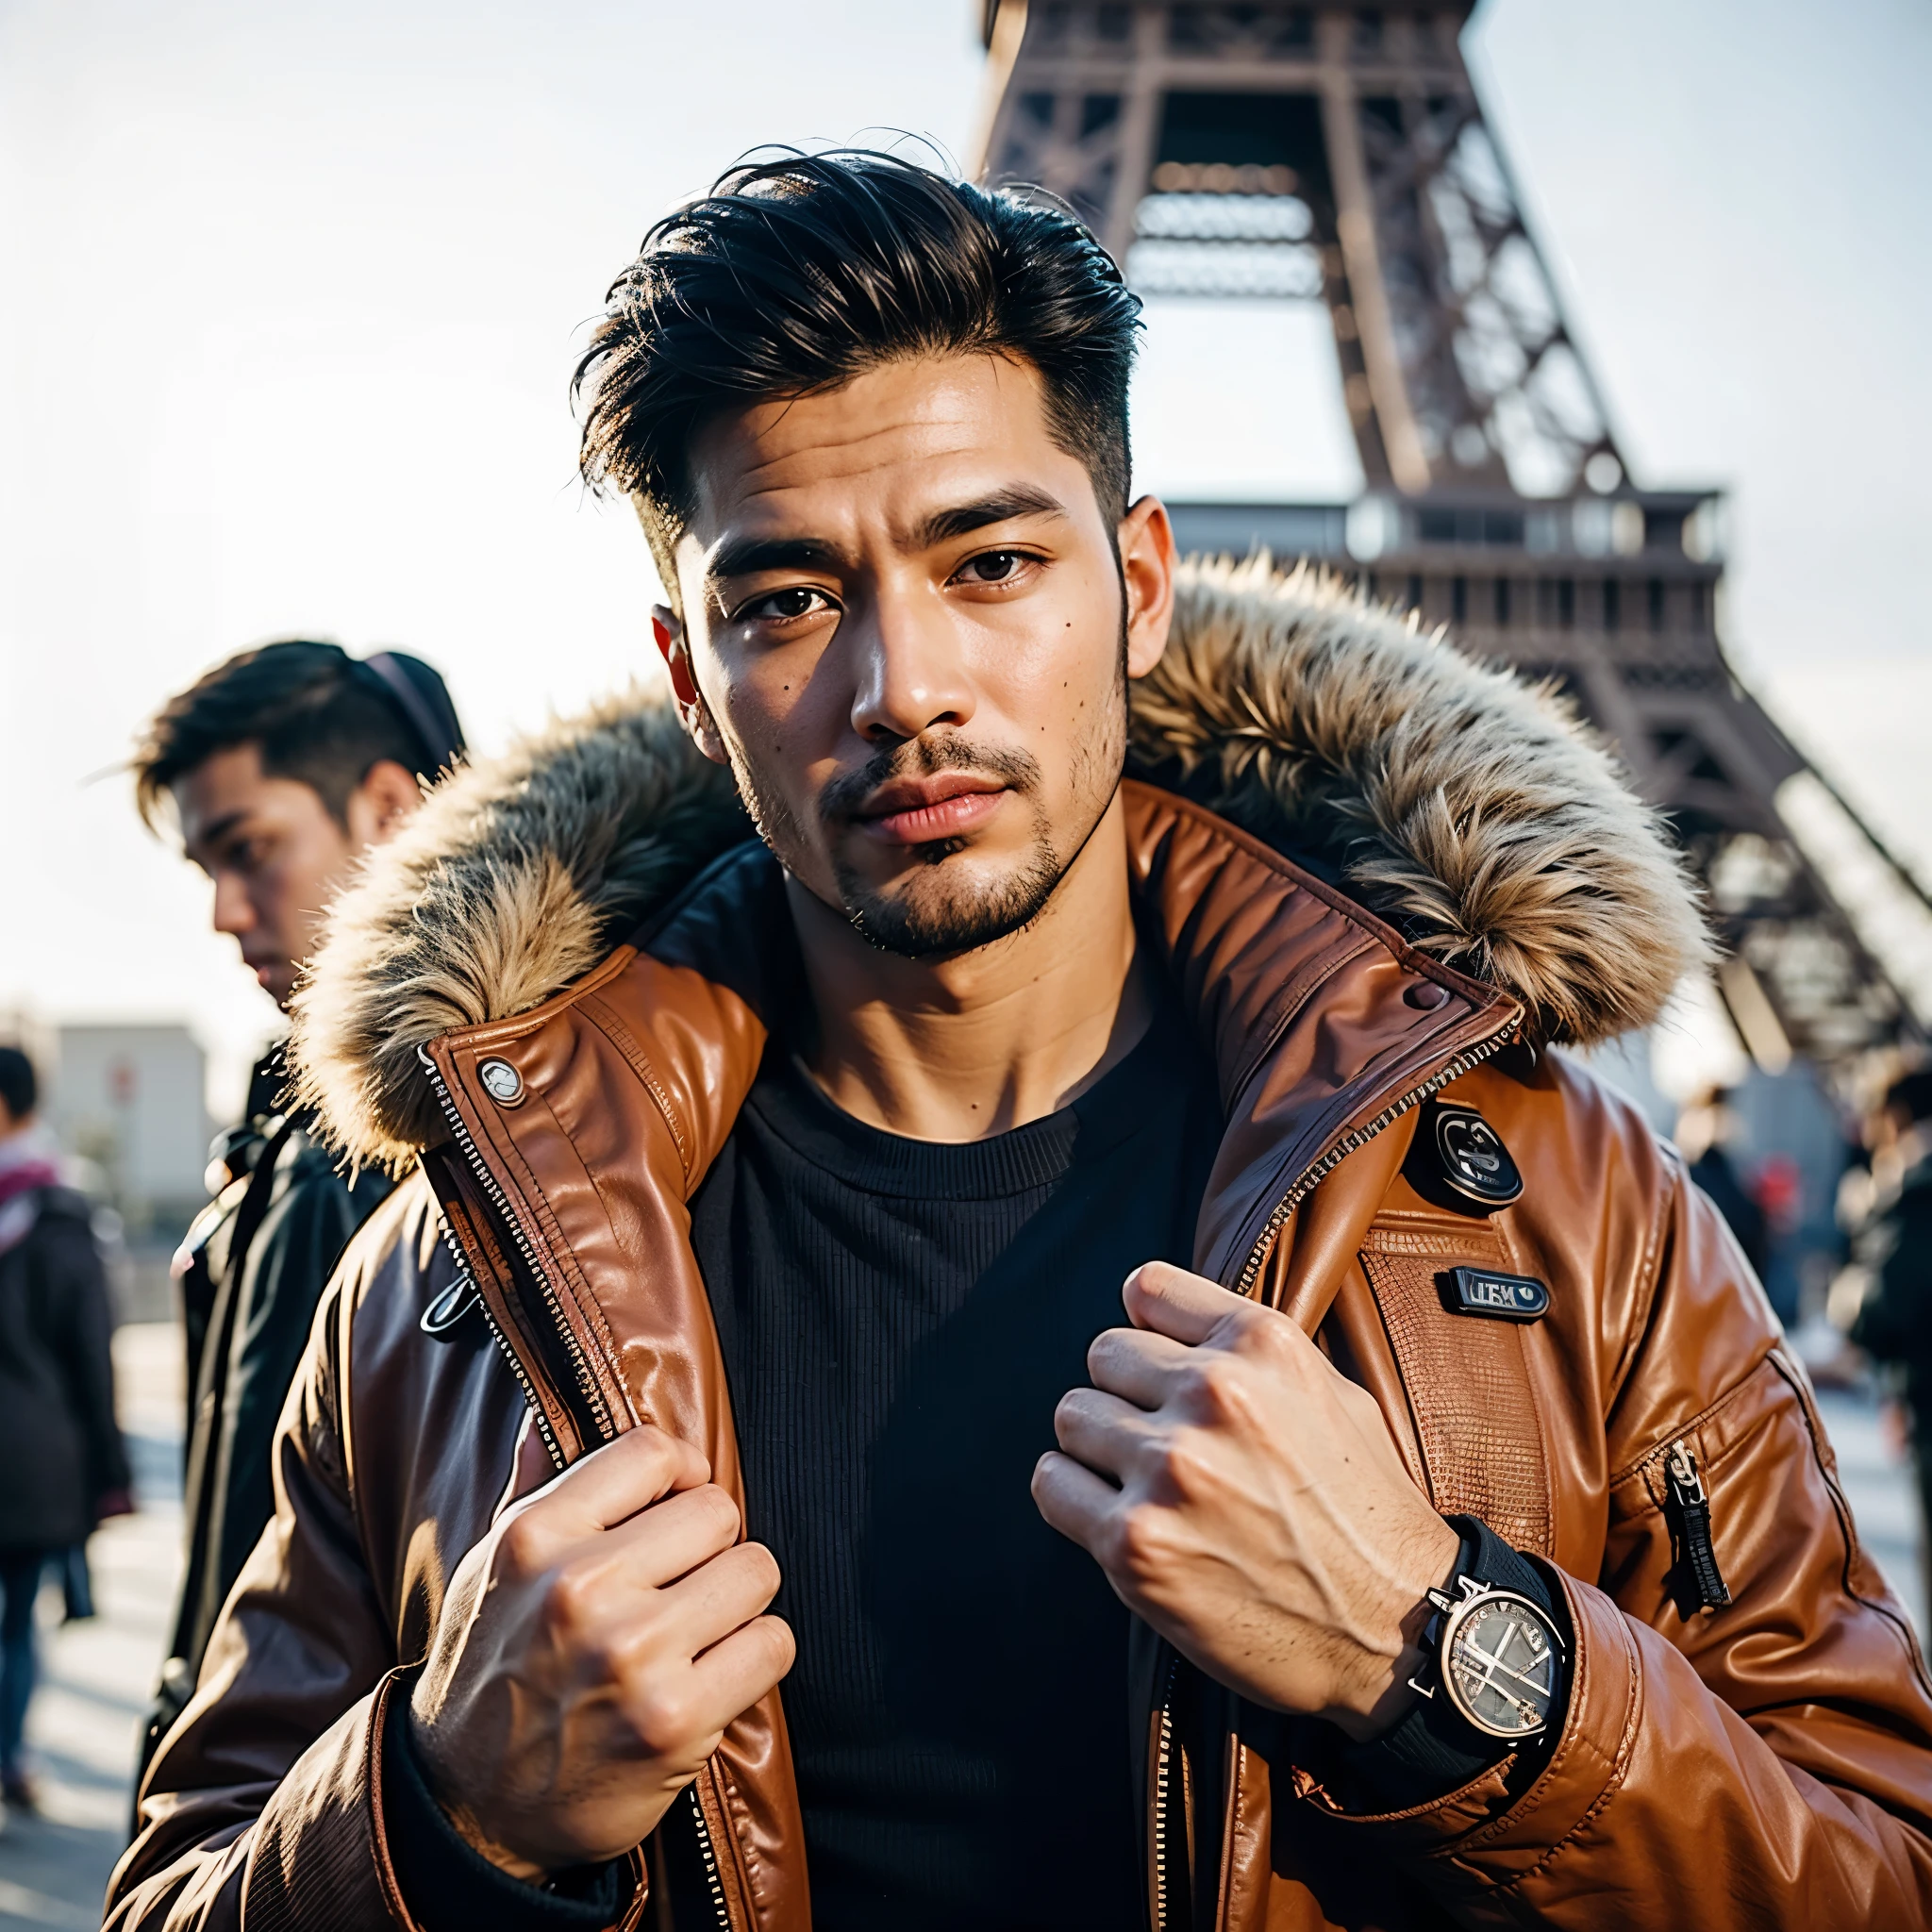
(1693, 1516)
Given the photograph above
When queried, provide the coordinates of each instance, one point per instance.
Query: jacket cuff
(319, 1861)
(448, 1885)
(1492, 1834)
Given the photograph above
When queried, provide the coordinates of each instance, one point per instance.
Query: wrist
(1396, 1644)
(449, 1799)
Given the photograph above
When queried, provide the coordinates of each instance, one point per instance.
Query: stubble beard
(950, 914)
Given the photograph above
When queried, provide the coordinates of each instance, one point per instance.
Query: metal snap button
(1425, 994)
(501, 1081)
(1475, 1161)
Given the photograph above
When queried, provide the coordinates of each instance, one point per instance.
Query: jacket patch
(1468, 1382)
(1501, 1297)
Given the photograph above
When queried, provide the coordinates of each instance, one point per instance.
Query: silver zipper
(1469, 1057)
(1464, 1062)
(480, 1168)
(1163, 1764)
(709, 1854)
(587, 1381)
(509, 1353)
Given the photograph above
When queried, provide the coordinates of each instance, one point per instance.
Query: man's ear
(382, 805)
(667, 631)
(1147, 566)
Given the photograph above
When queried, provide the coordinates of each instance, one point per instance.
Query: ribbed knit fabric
(898, 1320)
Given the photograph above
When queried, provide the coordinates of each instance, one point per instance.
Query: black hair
(796, 274)
(319, 716)
(19, 1087)
(1912, 1095)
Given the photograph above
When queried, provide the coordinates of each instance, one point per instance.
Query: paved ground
(54, 1868)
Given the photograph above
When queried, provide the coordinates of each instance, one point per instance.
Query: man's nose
(234, 909)
(910, 673)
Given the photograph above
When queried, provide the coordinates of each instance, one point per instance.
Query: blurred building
(128, 1101)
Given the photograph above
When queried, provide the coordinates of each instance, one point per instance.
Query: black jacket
(252, 1270)
(59, 1448)
(1895, 1324)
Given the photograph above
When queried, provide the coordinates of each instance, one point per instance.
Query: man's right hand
(591, 1651)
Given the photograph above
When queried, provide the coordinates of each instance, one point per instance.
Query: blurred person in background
(1894, 1324)
(1706, 1132)
(64, 1467)
(280, 768)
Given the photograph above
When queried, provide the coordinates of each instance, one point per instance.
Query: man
(281, 767)
(792, 1231)
(1895, 1323)
(66, 1467)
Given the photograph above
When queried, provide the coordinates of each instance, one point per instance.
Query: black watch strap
(1433, 1751)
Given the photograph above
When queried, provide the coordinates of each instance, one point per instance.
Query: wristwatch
(1497, 1656)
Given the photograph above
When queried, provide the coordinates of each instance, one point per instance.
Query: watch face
(1499, 1662)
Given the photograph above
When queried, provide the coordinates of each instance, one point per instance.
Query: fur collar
(1471, 811)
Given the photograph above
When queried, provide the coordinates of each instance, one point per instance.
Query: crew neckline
(793, 1105)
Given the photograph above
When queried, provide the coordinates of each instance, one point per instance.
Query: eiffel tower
(1338, 153)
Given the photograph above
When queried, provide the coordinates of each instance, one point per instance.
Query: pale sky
(293, 292)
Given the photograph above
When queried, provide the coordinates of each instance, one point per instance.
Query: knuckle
(519, 1545)
(1218, 1389)
(1180, 1464)
(761, 1568)
(776, 1635)
(567, 1605)
(665, 1719)
(721, 1512)
(1139, 1542)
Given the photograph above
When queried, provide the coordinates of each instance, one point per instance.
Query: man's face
(907, 631)
(275, 855)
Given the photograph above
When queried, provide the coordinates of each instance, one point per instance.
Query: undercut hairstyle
(317, 715)
(19, 1089)
(797, 274)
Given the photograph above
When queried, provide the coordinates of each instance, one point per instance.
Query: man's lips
(917, 812)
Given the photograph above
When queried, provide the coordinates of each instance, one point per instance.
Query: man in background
(281, 768)
(64, 1465)
(1894, 1326)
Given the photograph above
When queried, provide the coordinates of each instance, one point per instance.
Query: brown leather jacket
(1764, 1763)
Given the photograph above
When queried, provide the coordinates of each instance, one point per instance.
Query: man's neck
(958, 1048)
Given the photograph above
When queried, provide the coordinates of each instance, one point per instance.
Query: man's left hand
(1246, 1500)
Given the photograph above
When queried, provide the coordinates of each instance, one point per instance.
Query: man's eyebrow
(746, 556)
(962, 519)
(210, 836)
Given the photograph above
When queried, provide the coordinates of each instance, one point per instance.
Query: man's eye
(993, 566)
(798, 601)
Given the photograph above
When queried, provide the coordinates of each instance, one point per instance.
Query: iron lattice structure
(1339, 153)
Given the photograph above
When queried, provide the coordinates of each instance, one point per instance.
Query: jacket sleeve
(267, 1791)
(1763, 1765)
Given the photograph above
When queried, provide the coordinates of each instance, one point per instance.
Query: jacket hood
(1471, 811)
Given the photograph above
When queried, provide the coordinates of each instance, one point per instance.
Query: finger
(1170, 1301)
(1137, 1364)
(1101, 1430)
(668, 1541)
(1073, 1500)
(531, 1468)
(717, 1598)
(613, 1483)
(739, 1668)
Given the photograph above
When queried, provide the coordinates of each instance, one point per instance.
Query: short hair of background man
(317, 715)
(795, 275)
(20, 1088)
